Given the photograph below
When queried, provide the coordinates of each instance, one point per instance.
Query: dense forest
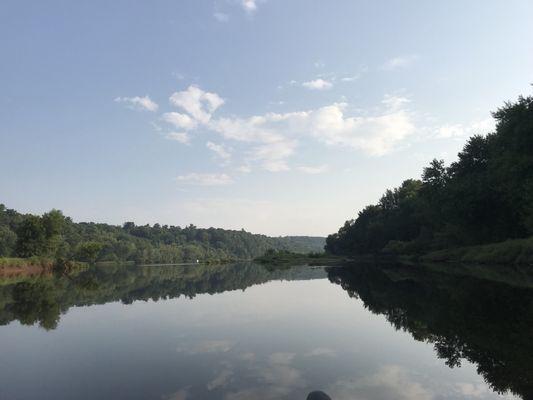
(485, 196)
(55, 236)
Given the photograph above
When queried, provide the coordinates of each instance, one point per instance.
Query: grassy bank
(12, 266)
(515, 251)
(10, 262)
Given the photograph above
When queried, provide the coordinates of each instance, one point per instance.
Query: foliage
(519, 251)
(55, 236)
(485, 196)
(288, 258)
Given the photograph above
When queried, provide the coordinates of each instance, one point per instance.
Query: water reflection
(242, 331)
(486, 322)
(43, 299)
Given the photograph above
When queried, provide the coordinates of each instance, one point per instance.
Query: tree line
(55, 236)
(485, 196)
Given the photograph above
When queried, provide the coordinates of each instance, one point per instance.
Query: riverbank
(34, 266)
(513, 251)
(285, 258)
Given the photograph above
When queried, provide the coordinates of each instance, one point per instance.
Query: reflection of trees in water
(488, 323)
(42, 300)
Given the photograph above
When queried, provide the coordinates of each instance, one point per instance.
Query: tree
(8, 240)
(88, 251)
(31, 237)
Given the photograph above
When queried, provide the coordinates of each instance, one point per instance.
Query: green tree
(88, 251)
(31, 237)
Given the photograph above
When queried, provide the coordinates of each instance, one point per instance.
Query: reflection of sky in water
(278, 340)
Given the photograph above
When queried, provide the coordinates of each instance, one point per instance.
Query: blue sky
(279, 117)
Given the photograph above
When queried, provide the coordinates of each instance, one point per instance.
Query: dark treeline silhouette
(485, 196)
(486, 322)
(42, 300)
(56, 236)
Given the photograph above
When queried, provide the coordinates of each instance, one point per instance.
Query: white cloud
(313, 170)
(318, 84)
(479, 127)
(376, 135)
(350, 78)
(245, 169)
(276, 134)
(221, 17)
(199, 104)
(178, 75)
(273, 156)
(395, 102)
(220, 150)
(182, 137)
(249, 5)
(270, 148)
(399, 62)
(179, 120)
(272, 138)
(198, 179)
(138, 103)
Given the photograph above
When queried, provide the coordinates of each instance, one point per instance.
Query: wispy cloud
(198, 103)
(138, 103)
(313, 170)
(220, 150)
(221, 17)
(271, 139)
(479, 127)
(249, 6)
(399, 62)
(181, 137)
(318, 84)
(350, 78)
(179, 120)
(375, 133)
(198, 179)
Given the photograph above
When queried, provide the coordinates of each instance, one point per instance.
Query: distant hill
(54, 235)
(304, 244)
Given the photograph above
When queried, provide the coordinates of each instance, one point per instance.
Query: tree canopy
(485, 196)
(55, 236)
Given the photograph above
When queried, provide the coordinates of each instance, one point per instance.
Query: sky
(282, 117)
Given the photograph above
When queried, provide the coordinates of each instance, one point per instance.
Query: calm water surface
(243, 332)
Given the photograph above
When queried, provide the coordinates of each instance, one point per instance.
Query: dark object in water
(318, 395)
